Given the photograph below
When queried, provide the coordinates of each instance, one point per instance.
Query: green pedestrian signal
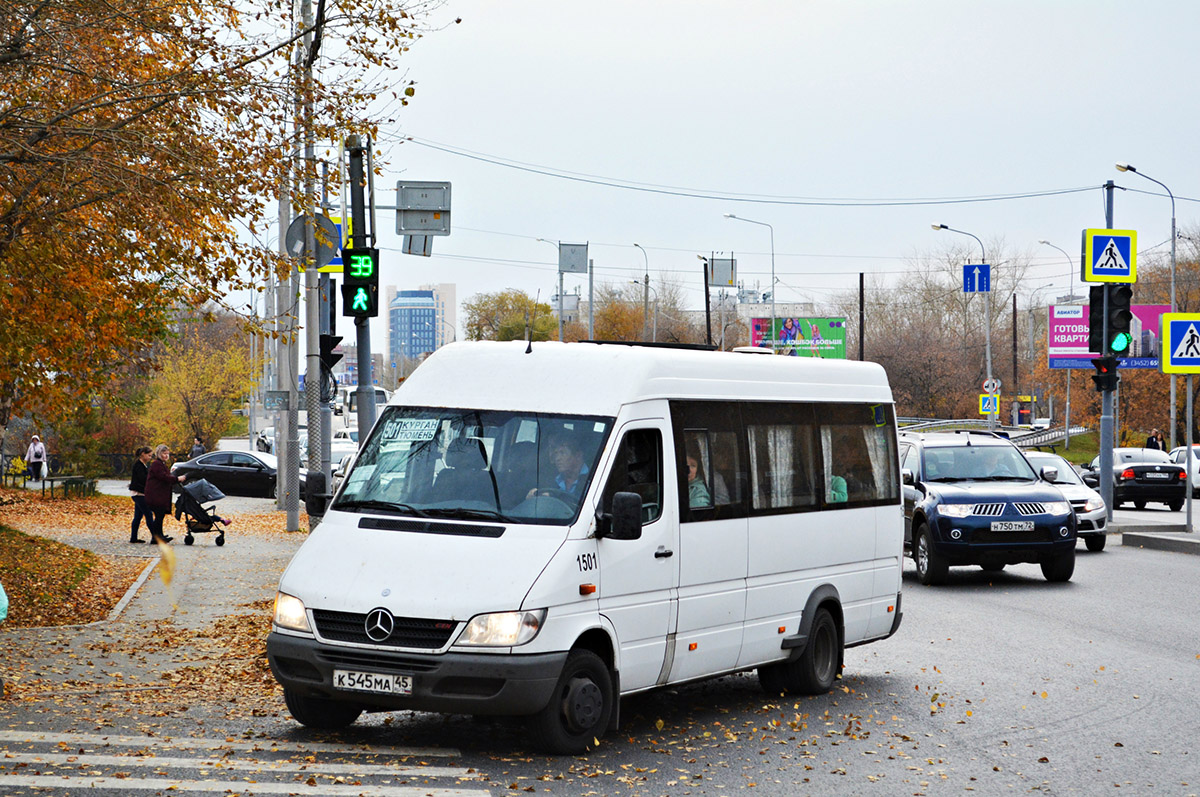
(360, 293)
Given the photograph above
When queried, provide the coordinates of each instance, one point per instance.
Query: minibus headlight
(290, 614)
(502, 629)
(956, 510)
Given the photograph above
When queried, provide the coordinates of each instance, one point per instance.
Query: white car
(1091, 516)
(1040, 424)
(1177, 456)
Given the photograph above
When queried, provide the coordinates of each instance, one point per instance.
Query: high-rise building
(419, 321)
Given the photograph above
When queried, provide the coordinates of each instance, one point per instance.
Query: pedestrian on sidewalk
(137, 485)
(159, 482)
(35, 458)
(197, 447)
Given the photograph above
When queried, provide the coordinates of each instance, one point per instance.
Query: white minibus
(542, 529)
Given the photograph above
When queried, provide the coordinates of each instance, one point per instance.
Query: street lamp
(987, 310)
(772, 229)
(1125, 167)
(1070, 298)
(645, 293)
(647, 285)
(560, 287)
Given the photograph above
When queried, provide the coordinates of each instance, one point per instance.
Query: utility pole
(312, 295)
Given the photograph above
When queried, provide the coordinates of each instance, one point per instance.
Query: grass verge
(51, 583)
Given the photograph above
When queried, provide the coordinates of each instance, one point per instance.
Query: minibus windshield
(476, 464)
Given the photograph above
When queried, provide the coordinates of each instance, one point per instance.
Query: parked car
(1091, 516)
(1177, 457)
(246, 473)
(1142, 475)
(345, 441)
(971, 498)
(265, 441)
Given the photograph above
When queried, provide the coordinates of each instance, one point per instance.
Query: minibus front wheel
(316, 712)
(579, 708)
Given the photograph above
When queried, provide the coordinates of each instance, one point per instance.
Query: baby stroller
(199, 520)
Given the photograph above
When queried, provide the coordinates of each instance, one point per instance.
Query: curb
(129, 593)
(1164, 539)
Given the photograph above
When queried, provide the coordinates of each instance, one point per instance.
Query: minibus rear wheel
(316, 712)
(814, 672)
(580, 707)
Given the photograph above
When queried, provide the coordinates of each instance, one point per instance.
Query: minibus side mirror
(625, 522)
(315, 499)
(1049, 473)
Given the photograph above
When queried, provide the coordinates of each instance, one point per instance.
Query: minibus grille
(409, 632)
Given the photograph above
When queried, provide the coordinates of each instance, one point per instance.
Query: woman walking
(137, 485)
(159, 481)
(35, 458)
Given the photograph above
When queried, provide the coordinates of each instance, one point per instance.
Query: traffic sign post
(1181, 355)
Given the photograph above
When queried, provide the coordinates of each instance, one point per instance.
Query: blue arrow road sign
(977, 278)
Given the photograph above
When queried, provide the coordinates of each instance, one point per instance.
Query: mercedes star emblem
(379, 624)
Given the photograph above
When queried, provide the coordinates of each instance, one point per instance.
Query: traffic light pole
(362, 326)
(1106, 396)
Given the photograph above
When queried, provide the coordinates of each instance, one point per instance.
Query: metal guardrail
(1020, 436)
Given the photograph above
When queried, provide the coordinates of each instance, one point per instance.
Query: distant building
(420, 321)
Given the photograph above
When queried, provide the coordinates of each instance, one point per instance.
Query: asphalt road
(995, 684)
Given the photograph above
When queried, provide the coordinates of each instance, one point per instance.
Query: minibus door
(639, 577)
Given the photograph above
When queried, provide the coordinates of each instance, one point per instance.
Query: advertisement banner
(1067, 336)
(801, 337)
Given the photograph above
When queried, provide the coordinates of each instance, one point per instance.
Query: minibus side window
(637, 468)
(710, 433)
(782, 457)
(858, 455)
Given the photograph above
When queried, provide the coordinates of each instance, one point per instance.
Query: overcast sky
(787, 103)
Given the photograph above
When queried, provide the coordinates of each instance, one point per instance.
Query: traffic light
(360, 289)
(328, 357)
(1106, 376)
(1120, 316)
(1096, 319)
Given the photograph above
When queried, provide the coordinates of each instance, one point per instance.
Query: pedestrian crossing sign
(989, 404)
(1109, 256)
(1180, 343)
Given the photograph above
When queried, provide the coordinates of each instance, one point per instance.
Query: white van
(542, 533)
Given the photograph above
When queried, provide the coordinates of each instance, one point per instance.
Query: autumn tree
(205, 374)
(135, 135)
(930, 336)
(503, 315)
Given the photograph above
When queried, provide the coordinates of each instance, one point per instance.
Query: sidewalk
(1157, 530)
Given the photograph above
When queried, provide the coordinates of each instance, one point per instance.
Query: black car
(971, 498)
(1142, 475)
(245, 473)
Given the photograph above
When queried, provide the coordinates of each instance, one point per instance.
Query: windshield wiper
(475, 514)
(386, 506)
(950, 479)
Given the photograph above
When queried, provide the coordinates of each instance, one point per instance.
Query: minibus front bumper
(453, 683)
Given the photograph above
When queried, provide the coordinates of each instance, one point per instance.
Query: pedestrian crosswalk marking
(200, 743)
(241, 787)
(224, 764)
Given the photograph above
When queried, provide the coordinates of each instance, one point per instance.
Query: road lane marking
(197, 743)
(124, 785)
(218, 763)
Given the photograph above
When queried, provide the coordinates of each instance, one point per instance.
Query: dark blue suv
(971, 498)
